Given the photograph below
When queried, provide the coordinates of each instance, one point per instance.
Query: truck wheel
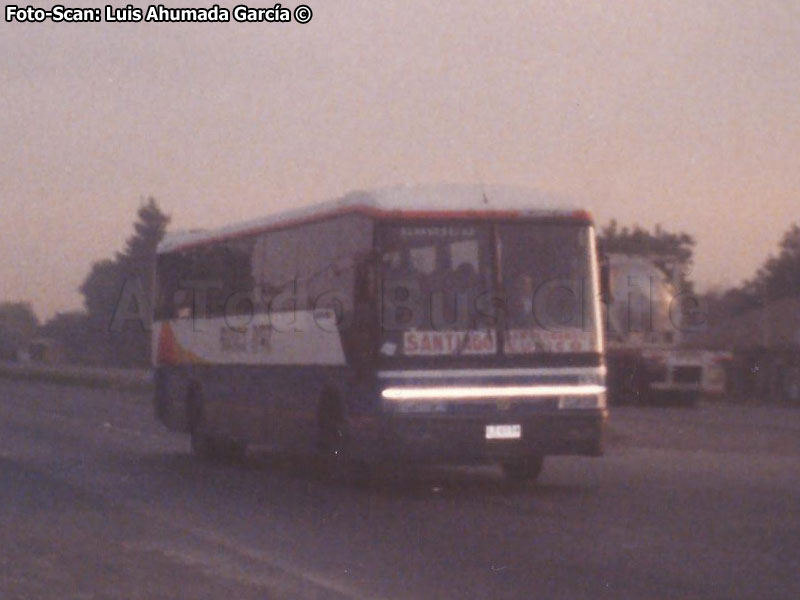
(523, 470)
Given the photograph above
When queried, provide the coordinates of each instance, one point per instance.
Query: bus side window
(182, 304)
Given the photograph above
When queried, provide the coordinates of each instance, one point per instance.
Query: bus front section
(490, 347)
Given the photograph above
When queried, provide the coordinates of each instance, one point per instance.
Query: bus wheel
(523, 470)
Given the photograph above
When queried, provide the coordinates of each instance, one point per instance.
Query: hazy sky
(680, 113)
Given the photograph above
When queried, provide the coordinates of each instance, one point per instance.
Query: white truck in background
(644, 332)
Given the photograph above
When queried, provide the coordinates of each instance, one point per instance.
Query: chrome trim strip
(459, 373)
(445, 393)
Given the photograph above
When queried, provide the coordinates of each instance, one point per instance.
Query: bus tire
(524, 470)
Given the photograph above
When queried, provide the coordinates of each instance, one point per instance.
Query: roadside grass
(133, 380)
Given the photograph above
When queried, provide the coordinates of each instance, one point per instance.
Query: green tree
(779, 277)
(71, 331)
(138, 259)
(18, 325)
(117, 291)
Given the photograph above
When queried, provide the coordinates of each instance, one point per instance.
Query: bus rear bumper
(464, 440)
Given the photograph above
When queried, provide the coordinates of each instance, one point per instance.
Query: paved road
(97, 501)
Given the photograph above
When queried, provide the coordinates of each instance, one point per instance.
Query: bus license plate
(503, 432)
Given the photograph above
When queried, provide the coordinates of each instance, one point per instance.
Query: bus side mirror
(605, 281)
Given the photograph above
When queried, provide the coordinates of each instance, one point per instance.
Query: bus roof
(409, 201)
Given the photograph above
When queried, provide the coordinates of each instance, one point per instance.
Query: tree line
(115, 289)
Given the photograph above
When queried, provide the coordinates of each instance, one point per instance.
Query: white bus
(441, 324)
